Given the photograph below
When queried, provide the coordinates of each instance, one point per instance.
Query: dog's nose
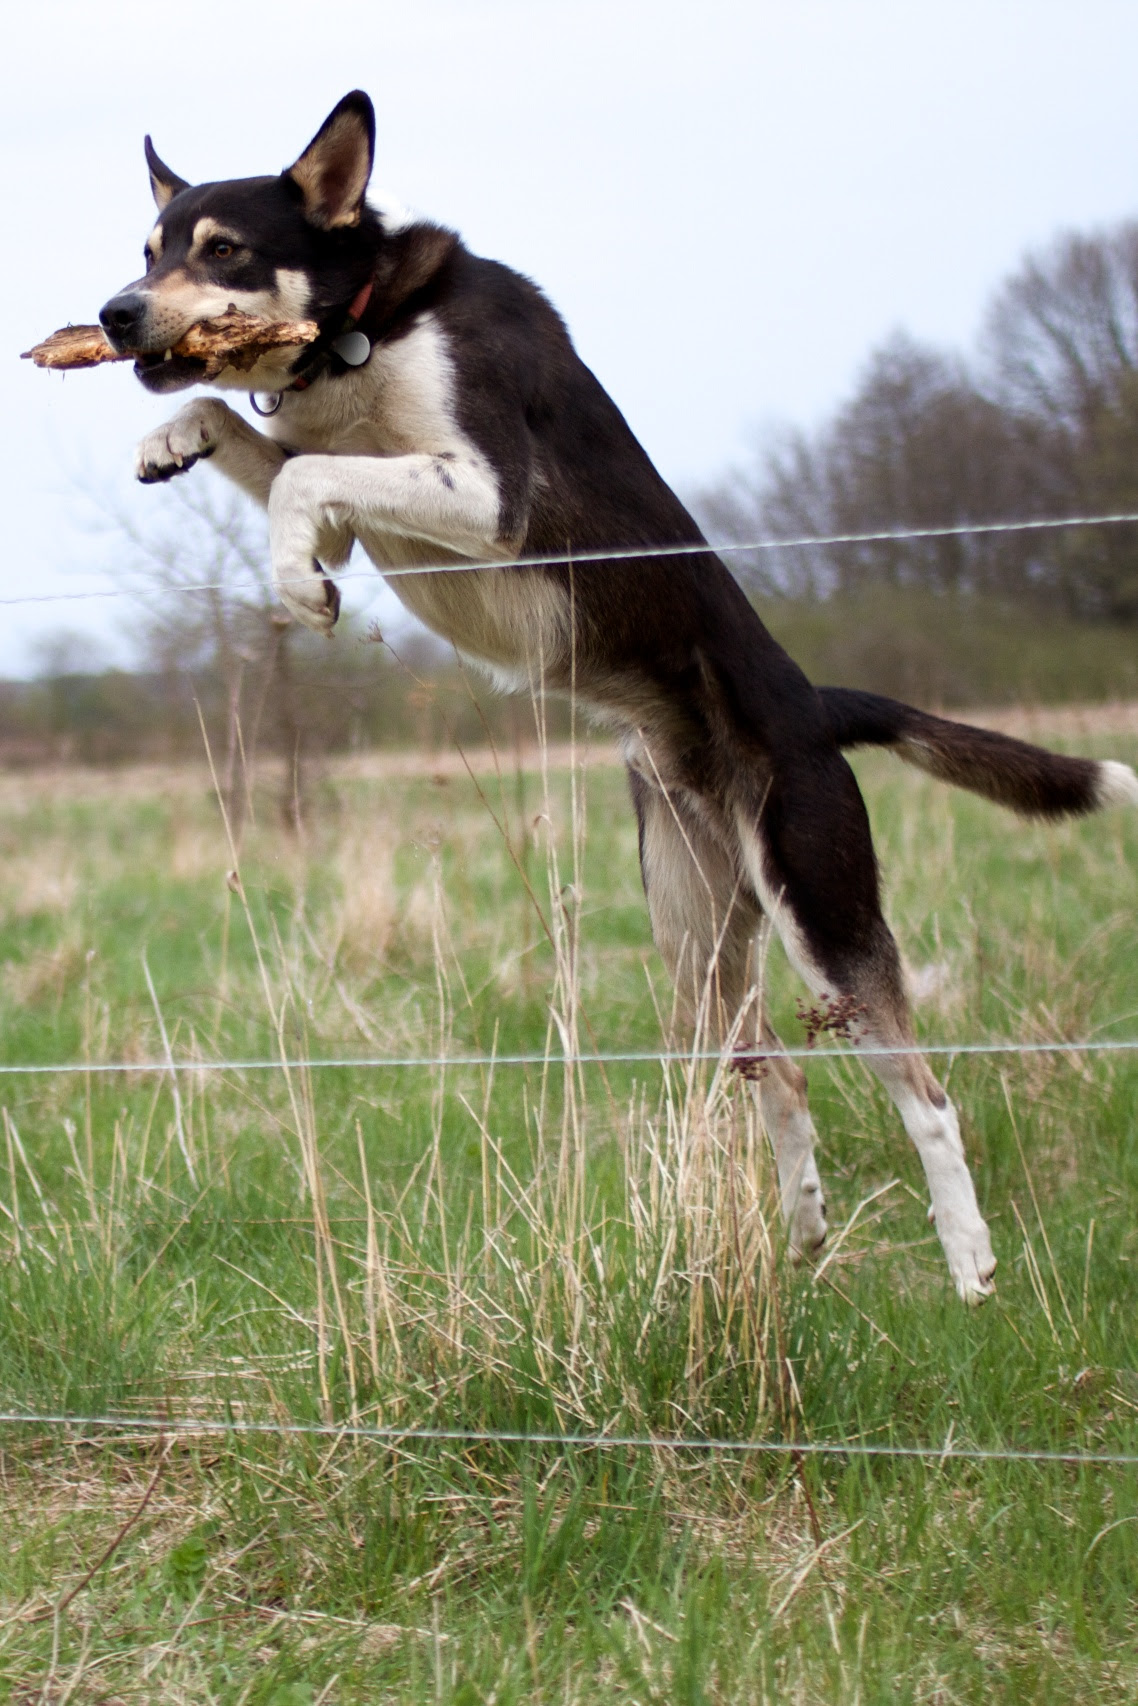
(122, 316)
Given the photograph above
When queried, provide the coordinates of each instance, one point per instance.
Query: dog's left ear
(332, 174)
(164, 183)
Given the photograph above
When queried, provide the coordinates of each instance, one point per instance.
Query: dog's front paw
(309, 595)
(194, 433)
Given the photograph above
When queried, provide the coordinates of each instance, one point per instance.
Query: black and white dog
(444, 417)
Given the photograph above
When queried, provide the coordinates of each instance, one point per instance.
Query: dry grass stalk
(298, 1085)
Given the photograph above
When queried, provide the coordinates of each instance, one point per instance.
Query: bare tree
(202, 580)
(1062, 332)
(1062, 339)
(917, 446)
(1046, 424)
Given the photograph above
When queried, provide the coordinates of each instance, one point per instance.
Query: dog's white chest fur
(400, 401)
(399, 413)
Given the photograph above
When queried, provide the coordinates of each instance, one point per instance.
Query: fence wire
(633, 553)
(743, 1058)
(398, 1436)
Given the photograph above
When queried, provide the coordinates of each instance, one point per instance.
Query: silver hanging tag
(352, 348)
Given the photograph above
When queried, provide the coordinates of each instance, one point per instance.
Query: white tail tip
(1117, 784)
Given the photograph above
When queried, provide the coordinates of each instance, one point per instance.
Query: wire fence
(742, 1058)
(396, 1436)
(636, 553)
(948, 1452)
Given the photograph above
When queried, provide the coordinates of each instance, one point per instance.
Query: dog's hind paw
(972, 1265)
(808, 1227)
(172, 449)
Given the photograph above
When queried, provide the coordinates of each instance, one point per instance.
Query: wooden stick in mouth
(229, 340)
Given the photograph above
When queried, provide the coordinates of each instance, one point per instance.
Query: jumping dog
(443, 417)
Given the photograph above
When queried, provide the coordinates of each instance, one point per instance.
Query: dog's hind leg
(704, 919)
(705, 922)
(931, 1121)
(806, 847)
(786, 1119)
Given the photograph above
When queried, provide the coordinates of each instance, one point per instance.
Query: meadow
(542, 1248)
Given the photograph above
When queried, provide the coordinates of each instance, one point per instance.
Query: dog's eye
(148, 257)
(223, 250)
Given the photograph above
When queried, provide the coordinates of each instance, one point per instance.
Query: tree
(1062, 342)
(212, 635)
(917, 446)
(203, 583)
(1044, 425)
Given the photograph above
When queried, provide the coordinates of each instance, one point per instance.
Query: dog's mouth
(161, 372)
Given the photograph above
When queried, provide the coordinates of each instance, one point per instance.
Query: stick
(229, 340)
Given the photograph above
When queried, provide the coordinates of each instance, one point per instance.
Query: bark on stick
(229, 340)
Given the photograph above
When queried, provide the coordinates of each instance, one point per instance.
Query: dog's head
(291, 247)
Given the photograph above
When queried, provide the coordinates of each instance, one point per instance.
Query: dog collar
(350, 346)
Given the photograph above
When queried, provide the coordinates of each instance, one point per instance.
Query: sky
(731, 203)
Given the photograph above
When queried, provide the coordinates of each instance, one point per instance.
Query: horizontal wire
(743, 1057)
(630, 553)
(600, 1442)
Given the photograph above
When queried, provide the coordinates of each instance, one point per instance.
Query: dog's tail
(1026, 778)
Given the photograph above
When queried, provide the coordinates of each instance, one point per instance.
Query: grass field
(542, 1249)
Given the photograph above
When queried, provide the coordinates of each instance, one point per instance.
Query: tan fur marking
(177, 302)
(333, 173)
(208, 230)
(293, 292)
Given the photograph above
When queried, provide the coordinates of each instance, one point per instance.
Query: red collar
(360, 301)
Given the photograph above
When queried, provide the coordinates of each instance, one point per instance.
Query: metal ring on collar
(273, 399)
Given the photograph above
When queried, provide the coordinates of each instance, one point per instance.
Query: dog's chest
(402, 404)
(399, 403)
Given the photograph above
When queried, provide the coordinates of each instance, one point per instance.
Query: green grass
(539, 1249)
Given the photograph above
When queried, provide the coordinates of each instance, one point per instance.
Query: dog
(443, 417)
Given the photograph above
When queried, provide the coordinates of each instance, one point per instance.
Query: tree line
(1041, 423)
(222, 665)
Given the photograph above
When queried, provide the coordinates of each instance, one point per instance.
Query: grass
(541, 1249)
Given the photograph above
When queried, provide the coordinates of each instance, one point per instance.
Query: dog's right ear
(332, 174)
(164, 183)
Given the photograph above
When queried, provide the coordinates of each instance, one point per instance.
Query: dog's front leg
(319, 505)
(208, 427)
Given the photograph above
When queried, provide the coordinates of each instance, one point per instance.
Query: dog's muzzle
(122, 319)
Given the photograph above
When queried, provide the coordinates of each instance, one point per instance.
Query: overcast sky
(730, 202)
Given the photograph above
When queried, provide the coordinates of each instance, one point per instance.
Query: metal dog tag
(353, 348)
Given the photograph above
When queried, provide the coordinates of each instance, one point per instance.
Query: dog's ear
(163, 182)
(332, 174)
